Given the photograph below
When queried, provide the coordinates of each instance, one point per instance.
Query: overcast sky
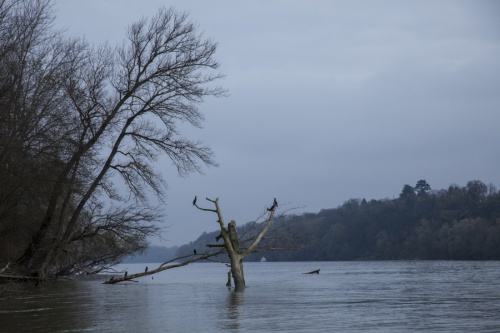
(329, 100)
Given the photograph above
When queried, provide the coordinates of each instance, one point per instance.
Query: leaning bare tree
(77, 119)
(232, 243)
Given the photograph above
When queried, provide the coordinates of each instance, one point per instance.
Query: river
(371, 296)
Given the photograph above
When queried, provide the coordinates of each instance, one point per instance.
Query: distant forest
(457, 223)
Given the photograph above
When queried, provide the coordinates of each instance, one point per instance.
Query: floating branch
(312, 272)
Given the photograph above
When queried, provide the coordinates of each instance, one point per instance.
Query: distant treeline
(458, 223)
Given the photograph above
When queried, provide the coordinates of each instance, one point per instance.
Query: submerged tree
(232, 243)
(75, 120)
(268, 235)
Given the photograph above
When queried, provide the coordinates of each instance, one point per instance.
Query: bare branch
(164, 267)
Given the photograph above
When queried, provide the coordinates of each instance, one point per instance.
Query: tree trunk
(231, 242)
(237, 272)
(236, 258)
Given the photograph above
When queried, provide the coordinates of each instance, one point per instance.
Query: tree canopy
(81, 128)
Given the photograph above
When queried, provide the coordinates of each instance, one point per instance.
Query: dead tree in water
(231, 246)
(231, 242)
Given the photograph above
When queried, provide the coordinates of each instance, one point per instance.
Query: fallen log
(312, 272)
(163, 267)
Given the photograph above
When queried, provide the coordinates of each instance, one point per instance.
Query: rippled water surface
(385, 296)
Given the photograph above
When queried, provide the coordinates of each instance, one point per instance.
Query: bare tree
(232, 244)
(32, 120)
(254, 237)
(237, 248)
(95, 116)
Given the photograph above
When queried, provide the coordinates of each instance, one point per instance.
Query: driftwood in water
(163, 267)
(312, 272)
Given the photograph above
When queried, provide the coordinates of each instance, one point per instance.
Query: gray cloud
(330, 100)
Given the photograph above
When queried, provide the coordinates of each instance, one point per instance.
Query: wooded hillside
(457, 223)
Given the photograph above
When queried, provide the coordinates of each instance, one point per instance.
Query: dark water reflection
(416, 296)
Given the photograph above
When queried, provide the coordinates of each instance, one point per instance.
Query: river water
(374, 296)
